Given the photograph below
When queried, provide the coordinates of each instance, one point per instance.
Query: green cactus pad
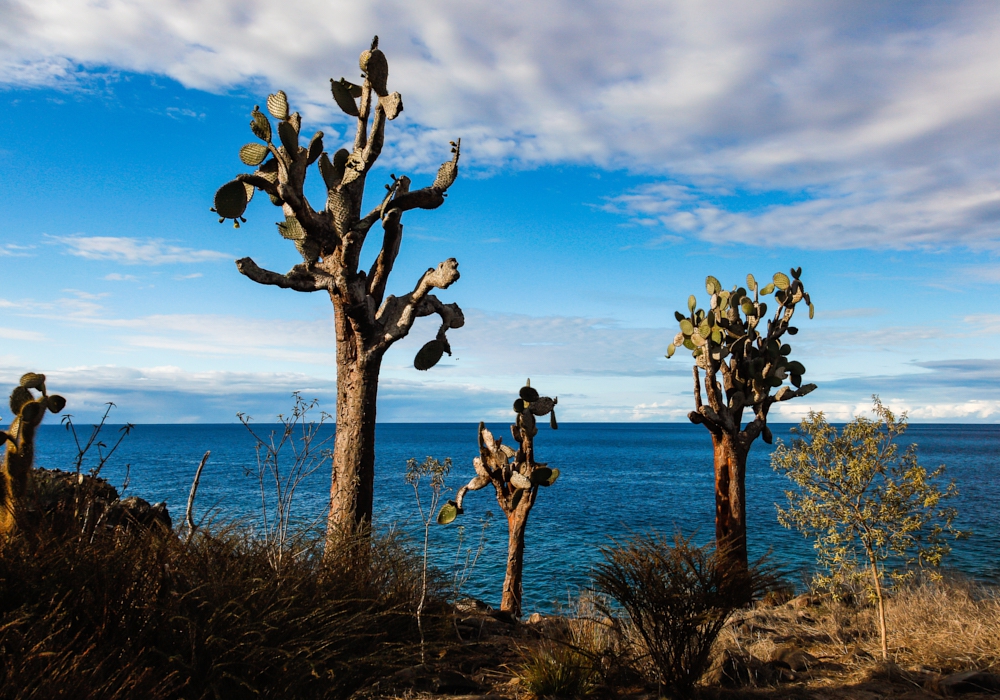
(291, 229)
(429, 355)
(687, 328)
(277, 105)
(315, 147)
(767, 289)
(692, 302)
(712, 285)
(671, 349)
(542, 406)
(812, 310)
(56, 403)
(751, 283)
(448, 513)
(231, 200)
(796, 367)
(446, 176)
(260, 126)
(528, 393)
(781, 281)
(518, 405)
(18, 398)
(289, 138)
(540, 476)
(33, 380)
(377, 68)
(342, 96)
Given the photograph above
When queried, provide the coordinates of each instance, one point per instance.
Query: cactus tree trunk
(352, 484)
(730, 497)
(517, 521)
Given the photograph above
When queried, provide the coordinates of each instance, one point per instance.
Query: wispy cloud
(118, 277)
(17, 334)
(12, 250)
(878, 120)
(134, 251)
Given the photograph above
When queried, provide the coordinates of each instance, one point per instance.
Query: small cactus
(516, 483)
(18, 460)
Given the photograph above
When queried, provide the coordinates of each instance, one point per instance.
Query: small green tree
(867, 504)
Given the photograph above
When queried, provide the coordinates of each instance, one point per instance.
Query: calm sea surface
(616, 479)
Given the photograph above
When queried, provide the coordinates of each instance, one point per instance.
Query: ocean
(616, 479)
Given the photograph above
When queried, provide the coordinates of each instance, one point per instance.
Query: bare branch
(299, 278)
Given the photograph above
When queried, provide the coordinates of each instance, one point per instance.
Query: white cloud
(17, 334)
(878, 117)
(134, 251)
(118, 277)
(12, 250)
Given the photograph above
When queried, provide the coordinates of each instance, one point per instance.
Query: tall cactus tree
(19, 457)
(727, 340)
(516, 483)
(330, 240)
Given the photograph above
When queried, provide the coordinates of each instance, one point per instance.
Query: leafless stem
(189, 512)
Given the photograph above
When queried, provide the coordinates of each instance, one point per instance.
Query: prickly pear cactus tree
(330, 239)
(741, 340)
(15, 470)
(516, 478)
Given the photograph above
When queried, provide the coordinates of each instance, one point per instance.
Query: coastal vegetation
(516, 484)
(865, 503)
(726, 339)
(330, 240)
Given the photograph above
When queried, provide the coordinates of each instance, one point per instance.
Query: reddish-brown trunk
(730, 497)
(352, 482)
(517, 520)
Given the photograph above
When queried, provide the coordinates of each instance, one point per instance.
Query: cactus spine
(330, 239)
(16, 468)
(727, 339)
(516, 483)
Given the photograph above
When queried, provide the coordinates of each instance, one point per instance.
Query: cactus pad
(375, 65)
(341, 90)
(33, 380)
(289, 139)
(392, 104)
(231, 200)
(528, 394)
(540, 476)
(429, 355)
(448, 513)
(446, 176)
(18, 398)
(277, 105)
(260, 126)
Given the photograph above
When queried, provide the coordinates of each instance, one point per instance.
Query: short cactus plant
(516, 483)
(15, 470)
(727, 339)
(330, 240)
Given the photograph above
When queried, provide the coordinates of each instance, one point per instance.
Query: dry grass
(947, 626)
(147, 615)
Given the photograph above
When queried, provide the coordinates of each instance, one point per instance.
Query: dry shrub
(147, 615)
(949, 625)
(677, 598)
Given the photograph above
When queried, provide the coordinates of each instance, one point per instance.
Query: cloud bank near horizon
(872, 125)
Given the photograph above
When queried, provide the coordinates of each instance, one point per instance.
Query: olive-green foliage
(556, 670)
(677, 597)
(866, 502)
(154, 617)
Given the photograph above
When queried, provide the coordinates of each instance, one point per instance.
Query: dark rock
(452, 683)
(795, 658)
(969, 682)
(135, 511)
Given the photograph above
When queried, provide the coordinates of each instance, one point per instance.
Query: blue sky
(613, 156)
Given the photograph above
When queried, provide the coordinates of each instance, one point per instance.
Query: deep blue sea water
(616, 479)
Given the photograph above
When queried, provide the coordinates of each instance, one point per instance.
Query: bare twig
(188, 519)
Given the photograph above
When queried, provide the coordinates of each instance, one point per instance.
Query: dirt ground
(802, 648)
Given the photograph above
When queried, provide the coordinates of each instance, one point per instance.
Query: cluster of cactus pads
(15, 469)
(511, 479)
(728, 339)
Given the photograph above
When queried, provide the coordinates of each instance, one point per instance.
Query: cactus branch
(298, 278)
